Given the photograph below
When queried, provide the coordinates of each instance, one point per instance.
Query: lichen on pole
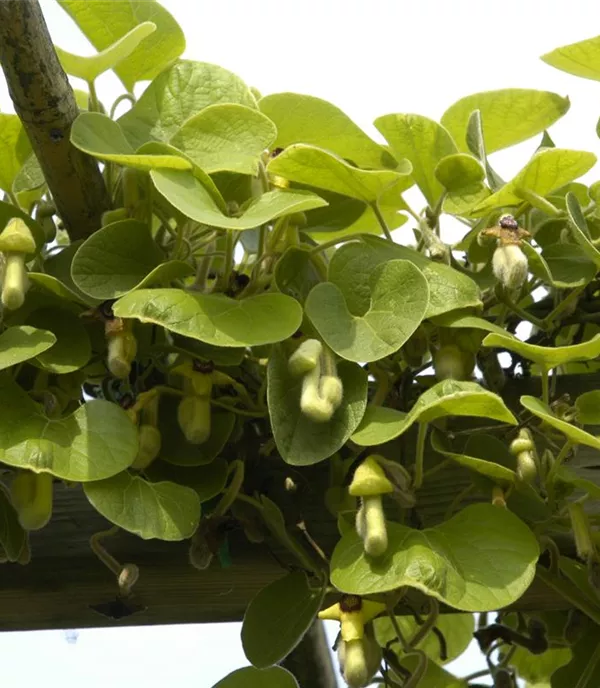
(45, 103)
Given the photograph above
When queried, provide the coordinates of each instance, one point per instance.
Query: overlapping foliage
(262, 295)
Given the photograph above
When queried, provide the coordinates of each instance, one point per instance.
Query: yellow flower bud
(194, 416)
(31, 495)
(509, 264)
(16, 282)
(148, 447)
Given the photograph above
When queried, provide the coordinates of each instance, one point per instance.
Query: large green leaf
(421, 141)
(90, 68)
(250, 677)
(572, 432)
(317, 167)
(72, 349)
(97, 441)
(547, 170)
(449, 289)
(191, 197)
(564, 266)
(98, 135)
(581, 58)
(163, 510)
(214, 318)
(458, 171)
(457, 630)
(300, 440)
(21, 343)
(176, 450)
(464, 319)
(182, 90)
(398, 300)
(226, 137)
(579, 228)
(489, 468)
(295, 273)
(446, 398)
(583, 671)
(14, 149)
(536, 669)
(115, 259)
(483, 558)
(509, 116)
(104, 22)
(207, 481)
(306, 119)
(546, 356)
(588, 407)
(278, 617)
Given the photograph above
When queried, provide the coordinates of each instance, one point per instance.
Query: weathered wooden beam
(64, 578)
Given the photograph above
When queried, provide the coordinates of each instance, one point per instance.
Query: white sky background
(370, 59)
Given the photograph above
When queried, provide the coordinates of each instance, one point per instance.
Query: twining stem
(237, 468)
(382, 223)
(124, 96)
(420, 455)
(517, 310)
(562, 306)
(396, 626)
(429, 623)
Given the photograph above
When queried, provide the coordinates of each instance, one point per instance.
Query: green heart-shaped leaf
(564, 266)
(496, 472)
(483, 558)
(119, 258)
(208, 481)
(296, 273)
(509, 116)
(250, 677)
(214, 318)
(455, 172)
(90, 68)
(573, 433)
(306, 119)
(226, 137)
(581, 58)
(449, 289)
(446, 398)
(72, 349)
(588, 407)
(97, 441)
(14, 149)
(548, 170)
(457, 630)
(278, 617)
(178, 451)
(21, 343)
(300, 440)
(13, 539)
(186, 193)
(98, 135)
(182, 90)
(421, 141)
(165, 511)
(319, 168)
(547, 357)
(104, 23)
(398, 296)
(463, 201)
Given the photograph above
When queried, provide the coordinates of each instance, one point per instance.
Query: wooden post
(44, 100)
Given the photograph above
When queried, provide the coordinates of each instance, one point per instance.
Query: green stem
(396, 626)
(237, 468)
(124, 96)
(476, 674)
(228, 266)
(94, 103)
(239, 412)
(545, 385)
(264, 179)
(562, 306)
(517, 310)
(420, 455)
(430, 622)
(382, 222)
